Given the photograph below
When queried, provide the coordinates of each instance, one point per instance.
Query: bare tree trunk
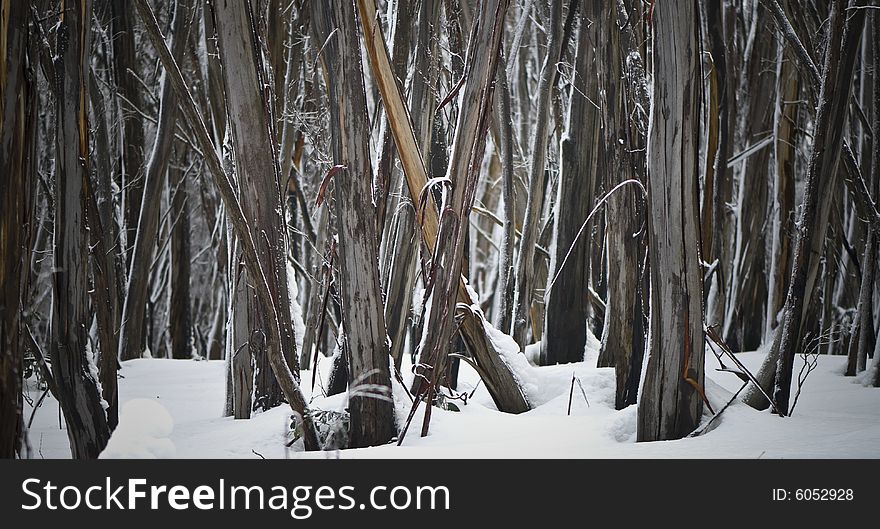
(363, 317)
(622, 336)
(268, 304)
(747, 296)
(671, 402)
(475, 103)
(716, 167)
(16, 208)
(566, 305)
(785, 126)
(133, 341)
(180, 313)
(73, 370)
(125, 69)
(259, 182)
(821, 176)
(867, 338)
(525, 265)
(401, 248)
(506, 273)
(107, 291)
(496, 374)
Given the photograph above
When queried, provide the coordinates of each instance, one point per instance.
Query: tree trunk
(671, 402)
(506, 272)
(566, 304)
(103, 234)
(818, 193)
(125, 70)
(475, 104)
(525, 283)
(268, 304)
(16, 158)
(401, 248)
(259, 182)
(867, 338)
(73, 369)
(180, 314)
(133, 342)
(622, 336)
(363, 317)
(496, 374)
(745, 311)
(785, 126)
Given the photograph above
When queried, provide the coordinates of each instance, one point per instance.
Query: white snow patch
(834, 418)
(143, 432)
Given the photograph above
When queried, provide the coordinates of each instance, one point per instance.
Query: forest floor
(172, 408)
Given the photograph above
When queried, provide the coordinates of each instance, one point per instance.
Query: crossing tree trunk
(259, 183)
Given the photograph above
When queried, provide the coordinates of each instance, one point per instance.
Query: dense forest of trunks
(397, 184)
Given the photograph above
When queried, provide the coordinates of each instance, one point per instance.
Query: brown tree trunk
(16, 105)
(73, 370)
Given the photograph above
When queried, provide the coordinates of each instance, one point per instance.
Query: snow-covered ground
(172, 408)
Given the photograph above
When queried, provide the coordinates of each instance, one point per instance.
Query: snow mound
(143, 432)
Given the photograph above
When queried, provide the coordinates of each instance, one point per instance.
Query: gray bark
(566, 305)
(364, 338)
(525, 270)
(260, 188)
(103, 234)
(180, 312)
(132, 332)
(785, 121)
(125, 70)
(671, 404)
(622, 336)
(818, 194)
(268, 304)
(475, 103)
